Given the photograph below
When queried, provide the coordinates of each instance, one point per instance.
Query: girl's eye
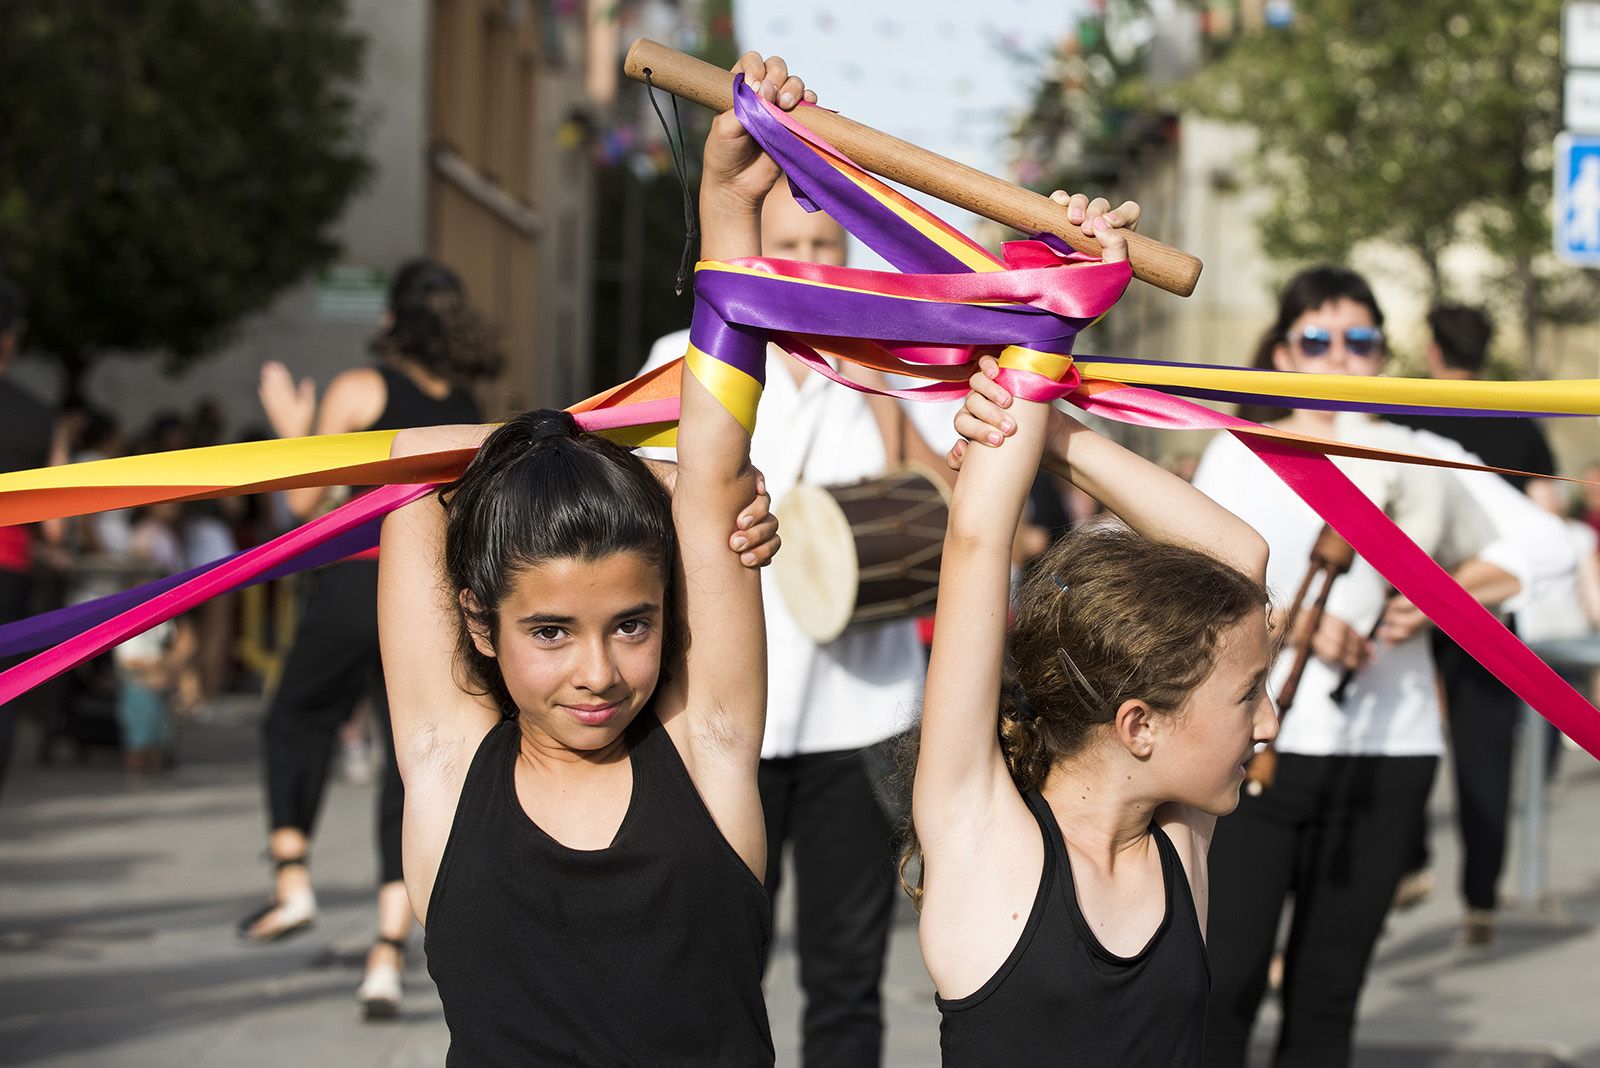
(632, 628)
(548, 634)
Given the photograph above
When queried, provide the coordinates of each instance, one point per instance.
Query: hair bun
(542, 424)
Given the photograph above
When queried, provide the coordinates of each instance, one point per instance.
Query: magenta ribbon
(219, 578)
(1331, 494)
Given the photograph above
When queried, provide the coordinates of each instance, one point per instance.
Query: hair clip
(1077, 676)
(1062, 586)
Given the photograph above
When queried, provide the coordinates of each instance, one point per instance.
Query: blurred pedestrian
(829, 704)
(150, 666)
(431, 349)
(208, 535)
(26, 441)
(1565, 611)
(1482, 714)
(1358, 751)
(1591, 496)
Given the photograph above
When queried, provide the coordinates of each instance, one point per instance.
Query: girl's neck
(550, 757)
(1102, 813)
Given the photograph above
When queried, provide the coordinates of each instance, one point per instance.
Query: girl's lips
(592, 715)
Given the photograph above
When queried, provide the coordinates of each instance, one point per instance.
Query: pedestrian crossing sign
(1577, 200)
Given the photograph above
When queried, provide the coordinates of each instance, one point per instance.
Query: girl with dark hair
(431, 350)
(1357, 752)
(1315, 306)
(1070, 773)
(584, 839)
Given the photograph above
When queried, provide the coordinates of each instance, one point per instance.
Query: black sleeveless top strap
(408, 406)
(1061, 998)
(647, 952)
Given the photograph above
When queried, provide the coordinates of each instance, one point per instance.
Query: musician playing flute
(1337, 828)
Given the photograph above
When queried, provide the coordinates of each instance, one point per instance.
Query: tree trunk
(74, 373)
(1528, 288)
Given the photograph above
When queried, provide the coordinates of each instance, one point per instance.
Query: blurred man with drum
(829, 703)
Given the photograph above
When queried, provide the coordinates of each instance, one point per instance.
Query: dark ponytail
(538, 490)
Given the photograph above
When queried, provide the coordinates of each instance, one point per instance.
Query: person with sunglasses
(1358, 752)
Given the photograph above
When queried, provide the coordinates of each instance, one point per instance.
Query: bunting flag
(951, 303)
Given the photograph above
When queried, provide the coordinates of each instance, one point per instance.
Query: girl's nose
(596, 671)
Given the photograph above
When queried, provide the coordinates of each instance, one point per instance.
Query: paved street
(117, 906)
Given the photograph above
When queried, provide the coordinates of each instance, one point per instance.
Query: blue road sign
(1577, 188)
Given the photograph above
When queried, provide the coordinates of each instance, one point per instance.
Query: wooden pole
(1161, 265)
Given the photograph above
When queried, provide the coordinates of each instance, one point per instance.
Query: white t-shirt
(1391, 708)
(1556, 612)
(865, 685)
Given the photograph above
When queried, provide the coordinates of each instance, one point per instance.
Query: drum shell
(863, 553)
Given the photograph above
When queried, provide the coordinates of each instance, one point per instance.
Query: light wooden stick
(1161, 265)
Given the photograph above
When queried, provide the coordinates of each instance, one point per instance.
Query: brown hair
(1105, 617)
(432, 325)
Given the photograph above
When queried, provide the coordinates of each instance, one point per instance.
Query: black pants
(1482, 725)
(1335, 833)
(823, 805)
(14, 590)
(332, 663)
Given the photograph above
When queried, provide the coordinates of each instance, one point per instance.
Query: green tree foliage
(1427, 123)
(1084, 123)
(168, 167)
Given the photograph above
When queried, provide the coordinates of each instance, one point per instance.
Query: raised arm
(1152, 500)
(354, 401)
(724, 682)
(417, 619)
(960, 768)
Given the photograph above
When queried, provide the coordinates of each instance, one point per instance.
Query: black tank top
(1062, 998)
(408, 406)
(647, 952)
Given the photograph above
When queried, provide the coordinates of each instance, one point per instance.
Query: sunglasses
(1360, 341)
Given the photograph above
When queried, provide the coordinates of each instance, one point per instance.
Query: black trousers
(14, 590)
(1482, 727)
(1335, 834)
(332, 663)
(823, 806)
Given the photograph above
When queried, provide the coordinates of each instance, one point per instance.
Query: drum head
(816, 570)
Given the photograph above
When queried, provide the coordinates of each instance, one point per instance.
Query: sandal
(296, 912)
(379, 995)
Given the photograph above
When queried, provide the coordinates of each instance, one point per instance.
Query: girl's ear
(1280, 357)
(1135, 728)
(473, 614)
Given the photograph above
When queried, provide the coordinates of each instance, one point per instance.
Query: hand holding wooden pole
(1161, 265)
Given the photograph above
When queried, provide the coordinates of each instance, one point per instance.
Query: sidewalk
(117, 907)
